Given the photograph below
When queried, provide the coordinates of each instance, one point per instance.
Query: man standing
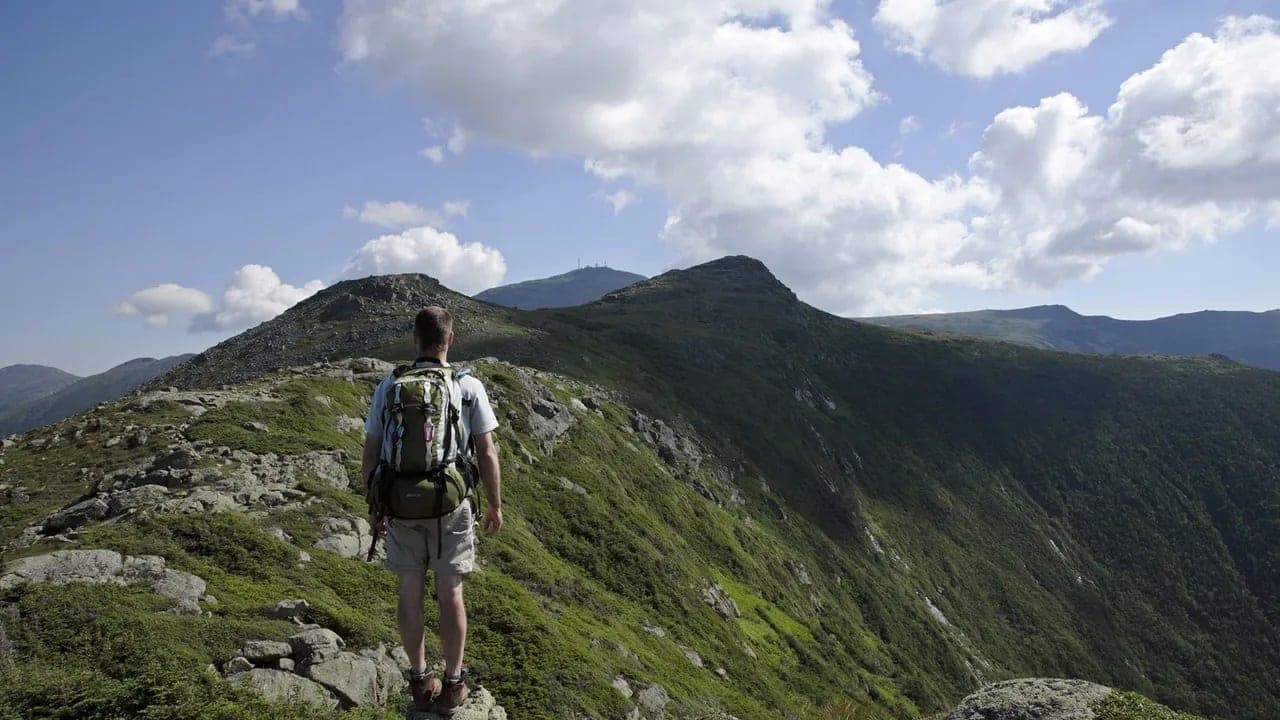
(445, 545)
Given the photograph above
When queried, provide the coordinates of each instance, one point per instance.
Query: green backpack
(423, 474)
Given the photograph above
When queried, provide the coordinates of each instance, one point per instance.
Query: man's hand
(377, 525)
(492, 520)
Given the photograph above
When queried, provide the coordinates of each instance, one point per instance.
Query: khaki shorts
(412, 545)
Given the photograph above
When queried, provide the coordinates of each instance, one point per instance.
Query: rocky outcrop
(107, 566)
(1032, 699)
(715, 596)
(280, 686)
(314, 667)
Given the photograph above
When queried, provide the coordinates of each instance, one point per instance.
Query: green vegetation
(1131, 706)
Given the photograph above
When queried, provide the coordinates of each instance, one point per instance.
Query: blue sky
(135, 156)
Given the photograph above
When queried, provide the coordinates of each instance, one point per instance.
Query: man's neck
(440, 358)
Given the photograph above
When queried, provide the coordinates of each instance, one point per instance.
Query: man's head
(433, 332)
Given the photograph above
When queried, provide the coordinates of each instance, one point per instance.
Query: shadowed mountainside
(84, 393)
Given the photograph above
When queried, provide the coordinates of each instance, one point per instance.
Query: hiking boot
(450, 698)
(424, 688)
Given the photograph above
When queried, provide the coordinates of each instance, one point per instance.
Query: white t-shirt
(477, 415)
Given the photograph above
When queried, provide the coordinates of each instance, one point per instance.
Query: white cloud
(435, 154)
(908, 125)
(620, 199)
(228, 44)
(982, 38)
(725, 107)
(256, 294)
(276, 9)
(467, 268)
(157, 304)
(398, 215)
(1189, 151)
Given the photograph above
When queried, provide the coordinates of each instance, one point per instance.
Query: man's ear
(448, 341)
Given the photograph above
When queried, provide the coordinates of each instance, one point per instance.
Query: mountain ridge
(575, 287)
(1249, 337)
(84, 393)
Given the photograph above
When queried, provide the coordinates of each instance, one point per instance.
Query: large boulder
(76, 515)
(316, 645)
(265, 651)
(353, 678)
(1032, 699)
(280, 687)
(66, 566)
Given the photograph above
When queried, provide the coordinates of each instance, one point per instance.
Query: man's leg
(453, 621)
(409, 617)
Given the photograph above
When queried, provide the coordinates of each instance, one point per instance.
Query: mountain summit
(572, 288)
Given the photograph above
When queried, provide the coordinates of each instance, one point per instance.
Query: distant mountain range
(35, 395)
(575, 287)
(23, 384)
(1252, 338)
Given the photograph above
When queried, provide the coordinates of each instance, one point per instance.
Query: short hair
(432, 327)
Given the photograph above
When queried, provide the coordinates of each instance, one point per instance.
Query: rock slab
(1032, 699)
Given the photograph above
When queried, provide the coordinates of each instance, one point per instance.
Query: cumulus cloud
(1189, 150)
(467, 268)
(241, 16)
(725, 107)
(398, 215)
(255, 294)
(982, 38)
(156, 304)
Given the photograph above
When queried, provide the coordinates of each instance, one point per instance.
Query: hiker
(428, 435)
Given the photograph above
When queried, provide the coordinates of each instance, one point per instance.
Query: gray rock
(77, 515)
(1032, 699)
(571, 486)
(621, 685)
(390, 675)
(286, 664)
(148, 569)
(316, 645)
(260, 652)
(290, 609)
(279, 686)
(693, 656)
(255, 426)
(370, 365)
(65, 566)
(353, 678)
(716, 596)
(328, 467)
(135, 498)
(180, 586)
(347, 423)
(653, 700)
(182, 458)
(236, 665)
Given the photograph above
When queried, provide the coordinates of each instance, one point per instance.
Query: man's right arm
(491, 476)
